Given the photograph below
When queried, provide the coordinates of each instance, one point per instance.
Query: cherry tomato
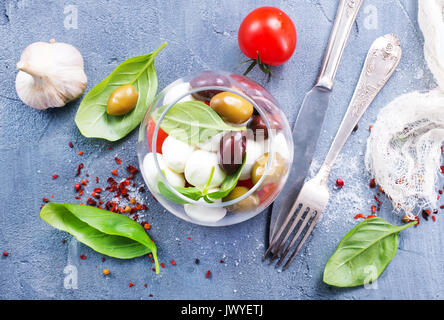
(269, 32)
(161, 136)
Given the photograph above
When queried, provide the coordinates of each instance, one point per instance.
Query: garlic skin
(51, 74)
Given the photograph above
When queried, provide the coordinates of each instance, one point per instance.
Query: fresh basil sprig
(192, 122)
(92, 119)
(364, 253)
(190, 192)
(193, 193)
(229, 183)
(110, 233)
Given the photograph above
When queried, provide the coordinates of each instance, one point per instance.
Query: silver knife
(312, 112)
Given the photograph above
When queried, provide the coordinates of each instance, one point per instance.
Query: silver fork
(381, 61)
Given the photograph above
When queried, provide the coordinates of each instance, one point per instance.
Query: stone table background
(201, 34)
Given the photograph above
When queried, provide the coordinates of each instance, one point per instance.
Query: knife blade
(311, 115)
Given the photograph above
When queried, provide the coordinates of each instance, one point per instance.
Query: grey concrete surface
(201, 34)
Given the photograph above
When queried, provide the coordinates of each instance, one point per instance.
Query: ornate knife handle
(345, 17)
(382, 60)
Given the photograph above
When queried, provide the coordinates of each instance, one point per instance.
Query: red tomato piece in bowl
(161, 136)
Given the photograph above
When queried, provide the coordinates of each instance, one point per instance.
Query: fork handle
(345, 17)
(382, 60)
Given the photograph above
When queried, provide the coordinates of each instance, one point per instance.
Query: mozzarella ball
(176, 153)
(211, 144)
(205, 214)
(279, 145)
(198, 169)
(176, 92)
(254, 150)
(152, 174)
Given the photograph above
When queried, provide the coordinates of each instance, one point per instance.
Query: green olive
(122, 100)
(278, 168)
(249, 203)
(231, 107)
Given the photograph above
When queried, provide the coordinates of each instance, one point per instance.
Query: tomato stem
(265, 68)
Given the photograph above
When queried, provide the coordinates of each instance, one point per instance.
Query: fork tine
(296, 236)
(279, 246)
(281, 229)
(307, 234)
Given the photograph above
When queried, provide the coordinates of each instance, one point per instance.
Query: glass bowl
(171, 169)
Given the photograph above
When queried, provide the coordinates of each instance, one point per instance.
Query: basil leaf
(364, 253)
(229, 183)
(92, 119)
(106, 232)
(191, 192)
(192, 122)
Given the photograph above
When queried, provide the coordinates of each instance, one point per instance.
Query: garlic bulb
(51, 74)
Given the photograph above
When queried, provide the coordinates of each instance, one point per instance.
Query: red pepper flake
(437, 197)
(118, 161)
(132, 170)
(83, 183)
(81, 192)
(162, 265)
(440, 191)
(131, 284)
(377, 200)
(97, 179)
(173, 262)
(103, 259)
(141, 189)
(83, 257)
(221, 261)
(114, 172)
(110, 148)
(371, 216)
(78, 197)
(79, 169)
(189, 238)
(91, 202)
(372, 184)
(70, 145)
(147, 226)
(359, 215)
(5, 253)
(442, 169)
(145, 285)
(373, 209)
(433, 218)
(98, 190)
(150, 255)
(339, 183)
(370, 128)
(55, 176)
(80, 153)
(425, 214)
(52, 196)
(150, 295)
(45, 200)
(208, 274)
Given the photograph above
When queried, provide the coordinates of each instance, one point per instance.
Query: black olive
(232, 151)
